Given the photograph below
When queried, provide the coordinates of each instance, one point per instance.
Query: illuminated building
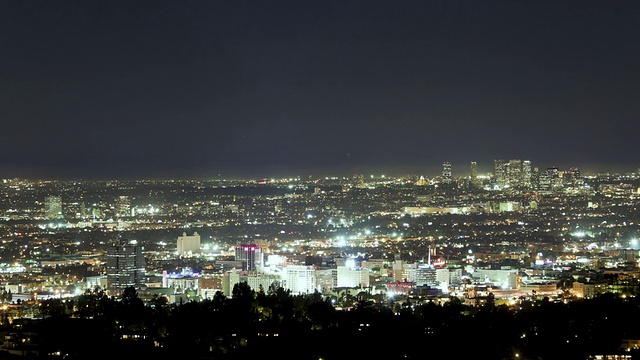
(425, 275)
(535, 178)
(574, 177)
(514, 173)
(327, 279)
(446, 172)
(181, 282)
(300, 279)
(474, 174)
(351, 276)
(500, 172)
(358, 181)
(550, 179)
(400, 288)
(527, 173)
(450, 276)
(122, 206)
(53, 207)
(250, 255)
(589, 289)
(504, 278)
(188, 244)
(125, 265)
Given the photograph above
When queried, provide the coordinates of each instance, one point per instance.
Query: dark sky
(200, 89)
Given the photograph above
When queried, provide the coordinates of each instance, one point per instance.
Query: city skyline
(208, 90)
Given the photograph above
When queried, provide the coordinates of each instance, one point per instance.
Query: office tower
(574, 177)
(53, 207)
(550, 179)
(535, 178)
(250, 255)
(474, 175)
(446, 172)
(514, 173)
(125, 265)
(500, 172)
(526, 173)
(556, 179)
(188, 244)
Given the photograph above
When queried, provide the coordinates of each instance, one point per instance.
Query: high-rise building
(526, 174)
(550, 179)
(125, 265)
(474, 175)
(574, 177)
(188, 244)
(500, 172)
(446, 172)
(53, 207)
(514, 173)
(250, 255)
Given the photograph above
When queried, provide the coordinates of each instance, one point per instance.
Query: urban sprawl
(519, 236)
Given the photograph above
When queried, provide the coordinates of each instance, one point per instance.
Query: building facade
(125, 265)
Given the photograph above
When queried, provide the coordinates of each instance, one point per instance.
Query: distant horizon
(254, 173)
(201, 90)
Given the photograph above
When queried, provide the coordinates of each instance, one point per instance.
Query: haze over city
(319, 180)
(162, 89)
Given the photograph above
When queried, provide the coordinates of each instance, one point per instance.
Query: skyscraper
(125, 265)
(446, 172)
(527, 173)
(250, 255)
(514, 173)
(574, 177)
(53, 207)
(474, 175)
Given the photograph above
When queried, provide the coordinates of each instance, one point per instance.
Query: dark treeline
(276, 324)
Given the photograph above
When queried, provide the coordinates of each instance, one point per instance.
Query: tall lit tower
(125, 265)
(53, 207)
(474, 174)
(500, 172)
(446, 172)
(250, 255)
(514, 173)
(527, 174)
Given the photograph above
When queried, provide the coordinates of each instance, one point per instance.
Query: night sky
(206, 89)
